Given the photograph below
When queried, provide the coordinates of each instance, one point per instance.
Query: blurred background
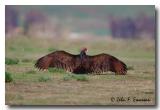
(125, 31)
(81, 22)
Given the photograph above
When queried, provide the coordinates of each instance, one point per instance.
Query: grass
(56, 70)
(57, 87)
(10, 61)
(75, 77)
(44, 79)
(130, 68)
(8, 77)
(31, 72)
(67, 77)
(80, 77)
(26, 60)
(51, 49)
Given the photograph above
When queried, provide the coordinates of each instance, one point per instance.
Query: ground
(33, 87)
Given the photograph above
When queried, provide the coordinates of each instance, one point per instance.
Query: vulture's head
(84, 50)
(83, 53)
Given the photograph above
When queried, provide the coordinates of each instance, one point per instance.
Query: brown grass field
(56, 87)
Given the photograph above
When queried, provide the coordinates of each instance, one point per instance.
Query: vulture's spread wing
(90, 64)
(58, 59)
(104, 62)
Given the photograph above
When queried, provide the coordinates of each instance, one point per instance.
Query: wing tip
(39, 63)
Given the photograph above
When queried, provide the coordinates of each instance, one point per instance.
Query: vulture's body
(82, 63)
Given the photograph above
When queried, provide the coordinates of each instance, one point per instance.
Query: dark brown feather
(104, 62)
(58, 59)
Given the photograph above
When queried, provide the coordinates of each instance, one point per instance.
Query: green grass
(80, 77)
(31, 72)
(26, 60)
(8, 77)
(10, 61)
(57, 87)
(67, 77)
(44, 79)
(56, 70)
(130, 68)
(51, 49)
(75, 77)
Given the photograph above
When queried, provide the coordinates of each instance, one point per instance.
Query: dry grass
(26, 89)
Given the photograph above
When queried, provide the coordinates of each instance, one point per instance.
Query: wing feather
(103, 63)
(58, 59)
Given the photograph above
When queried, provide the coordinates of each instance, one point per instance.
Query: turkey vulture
(82, 63)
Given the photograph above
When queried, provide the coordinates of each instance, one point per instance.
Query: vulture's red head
(84, 50)
(83, 53)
